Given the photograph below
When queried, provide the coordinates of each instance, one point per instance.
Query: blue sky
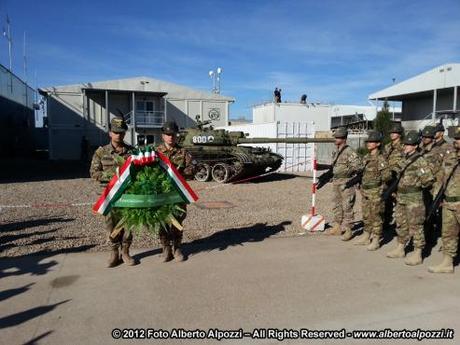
(334, 51)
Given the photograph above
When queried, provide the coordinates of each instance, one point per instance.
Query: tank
(219, 156)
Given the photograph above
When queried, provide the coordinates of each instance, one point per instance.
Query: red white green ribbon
(121, 180)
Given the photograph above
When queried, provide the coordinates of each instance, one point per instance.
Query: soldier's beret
(374, 136)
(341, 132)
(429, 131)
(118, 125)
(170, 128)
(412, 138)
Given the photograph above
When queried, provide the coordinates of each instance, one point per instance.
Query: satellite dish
(219, 70)
(211, 73)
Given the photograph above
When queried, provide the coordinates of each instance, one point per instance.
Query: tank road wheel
(203, 172)
(221, 172)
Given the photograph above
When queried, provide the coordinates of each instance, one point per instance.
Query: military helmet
(397, 128)
(170, 128)
(118, 125)
(374, 136)
(439, 127)
(412, 138)
(429, 131)
(341, 132)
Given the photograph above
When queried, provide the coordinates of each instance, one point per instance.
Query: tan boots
(446, 266)
(347, 235)
(375, 243)
(125, 256)
(114, 259)
(362, 239)
(414, 258)
(335, 230)
(397, 252)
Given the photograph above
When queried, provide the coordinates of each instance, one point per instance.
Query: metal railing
(146, 118)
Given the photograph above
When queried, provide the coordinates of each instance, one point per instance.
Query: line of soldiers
(103, 167)
(400, 179)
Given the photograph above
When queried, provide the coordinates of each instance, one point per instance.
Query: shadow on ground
(226, 238)
(26, 315)
(32, 263)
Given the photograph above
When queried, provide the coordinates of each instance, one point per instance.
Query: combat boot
(347, 235)
(335, 230)
(114, 259)
(414, 258)
(375, 243)
(362, 239)
(127, 259)
(446, 266)
(178, 255)
(167, 253)
(398, 252)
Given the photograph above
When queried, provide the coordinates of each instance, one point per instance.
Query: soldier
(375, 174)
(415, 174)
(427, 147)
(394, 151)
(450, 179)
(182, 161)
(103, 167)
(347, 164)
(394, 154)
(441, 148)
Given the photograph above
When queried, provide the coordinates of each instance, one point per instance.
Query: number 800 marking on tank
(202, 139)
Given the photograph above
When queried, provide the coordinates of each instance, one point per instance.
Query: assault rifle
(440, 196)
(394, 184)
(328, 175)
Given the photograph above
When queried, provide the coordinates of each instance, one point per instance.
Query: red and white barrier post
(313, 222)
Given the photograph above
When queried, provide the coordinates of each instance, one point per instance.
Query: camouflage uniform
(103, 167)
(451, 205)
(346, 166)
(182, 161)
(441, 149)
(376, 174)
(433, 158)
(410, 208)
(394, 154)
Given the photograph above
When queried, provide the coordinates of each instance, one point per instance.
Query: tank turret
(219, 155)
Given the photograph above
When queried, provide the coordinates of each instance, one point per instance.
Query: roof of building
(441, 77)
(142, 84)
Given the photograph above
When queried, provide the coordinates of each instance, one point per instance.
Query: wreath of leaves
(149, 180)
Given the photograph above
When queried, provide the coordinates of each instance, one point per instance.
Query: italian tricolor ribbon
(121, 180)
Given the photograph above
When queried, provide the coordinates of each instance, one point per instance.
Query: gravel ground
(271, 206)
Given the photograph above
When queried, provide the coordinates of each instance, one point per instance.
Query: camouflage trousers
(173, 235)
(123, 236)
(373, 209)
(410, 217)
(450, 228)
(344, 202)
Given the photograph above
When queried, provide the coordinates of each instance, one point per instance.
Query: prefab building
(79, 115)
(427, 97)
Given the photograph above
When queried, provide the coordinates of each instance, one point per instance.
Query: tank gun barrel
(303, 140)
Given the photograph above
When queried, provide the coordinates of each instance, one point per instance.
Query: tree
(383, 122)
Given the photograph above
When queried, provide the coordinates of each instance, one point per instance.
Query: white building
(427, 97)
(79, 115)
(324, 116)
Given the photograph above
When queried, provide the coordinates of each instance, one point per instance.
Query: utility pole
(7, 35)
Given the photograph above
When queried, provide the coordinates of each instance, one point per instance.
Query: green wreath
(151, 201)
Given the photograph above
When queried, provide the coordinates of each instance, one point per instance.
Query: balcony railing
(153, 119)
